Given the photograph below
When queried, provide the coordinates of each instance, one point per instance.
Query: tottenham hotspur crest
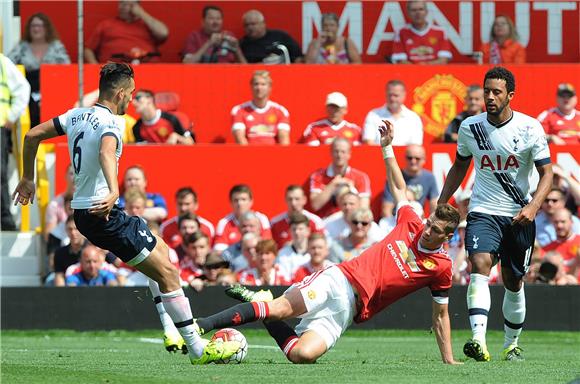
(516, 141)
(146, 235)
(475, 240)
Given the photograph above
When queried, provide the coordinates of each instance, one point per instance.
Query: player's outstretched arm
(454, 178)
(395, 179)
(442, 329)
(25, 190)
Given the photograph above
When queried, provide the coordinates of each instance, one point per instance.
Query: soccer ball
(230, 334)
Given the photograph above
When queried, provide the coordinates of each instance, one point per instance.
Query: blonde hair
(263, 74)
(513, 32)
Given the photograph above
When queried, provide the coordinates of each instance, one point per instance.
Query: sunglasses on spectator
(363, 223)
(551, 200)
(414, 158)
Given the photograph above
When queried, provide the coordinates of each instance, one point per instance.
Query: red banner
(213, 169)
(555, 35)
(208, 92)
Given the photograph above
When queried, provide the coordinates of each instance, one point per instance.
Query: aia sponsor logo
(499, 163)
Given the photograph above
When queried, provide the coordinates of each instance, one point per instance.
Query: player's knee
(303, 355)
(481, 263)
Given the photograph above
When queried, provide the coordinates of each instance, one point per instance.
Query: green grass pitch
(359, 357)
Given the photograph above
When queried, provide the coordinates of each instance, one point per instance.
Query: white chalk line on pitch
(159, 341)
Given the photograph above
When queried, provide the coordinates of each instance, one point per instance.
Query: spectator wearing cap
(261, 44)
(562, 122)
(155, 125)
(408, 125)
(324, 131)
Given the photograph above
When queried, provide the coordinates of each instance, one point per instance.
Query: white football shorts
(330, 304)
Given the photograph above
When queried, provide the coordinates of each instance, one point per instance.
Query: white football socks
(166, 322)
(478, 304)
(177, 306)
(514, 313)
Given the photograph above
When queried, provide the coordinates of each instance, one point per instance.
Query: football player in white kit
(505, 146)
(95, 146)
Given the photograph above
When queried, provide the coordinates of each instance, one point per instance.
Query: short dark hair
(298, 218)
(292, 188)
(185, 191)
(113, 76)
(241, 188)
(186, 216)
(449, 214)
(193, 237)
(208, 8)
(501, 73)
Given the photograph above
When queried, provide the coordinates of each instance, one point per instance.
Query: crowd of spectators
(246, 245)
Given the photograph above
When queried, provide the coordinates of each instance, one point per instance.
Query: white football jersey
(504, 158)
(85, 127)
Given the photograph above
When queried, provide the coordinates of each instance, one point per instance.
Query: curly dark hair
(501, 73)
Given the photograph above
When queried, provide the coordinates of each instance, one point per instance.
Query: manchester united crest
(437, 101)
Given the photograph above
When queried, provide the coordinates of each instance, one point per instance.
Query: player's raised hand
(387, 132)
(24, 192)
(103, 208)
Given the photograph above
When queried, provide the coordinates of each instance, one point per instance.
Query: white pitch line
(159, 341)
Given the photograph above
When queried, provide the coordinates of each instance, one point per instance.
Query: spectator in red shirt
(261, 121)
(227, 231)
(211, 44)
(327, 183)
(197, 249)
(562, 123)
(266, 272)
(187, 224)
(155, 125)
(134, 33)
(187, 202)
(295, 201)
(420, 42)
(325, 130)
(567, 242)
(319, 253)
(503, 46)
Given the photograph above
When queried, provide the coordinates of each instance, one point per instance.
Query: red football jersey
(307, 270)
(396, 267)
(169, 231)
(228, 233)
(260, 124)
(418, 46)
(281, 226)
(321, 177)
(252, 277)
(567, 127)
(569, 249)
(189, 270)
(324, 132)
